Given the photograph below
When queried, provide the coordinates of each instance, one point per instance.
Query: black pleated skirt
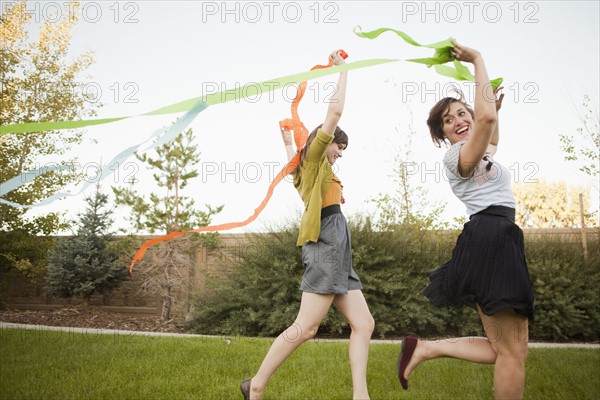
(488, 267)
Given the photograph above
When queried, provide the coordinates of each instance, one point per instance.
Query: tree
(584, 147)
(38, 84)
(87, 263)
(408, 204)
(168, 213)
(550, 205)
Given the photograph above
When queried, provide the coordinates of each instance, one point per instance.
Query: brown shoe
(245, 388)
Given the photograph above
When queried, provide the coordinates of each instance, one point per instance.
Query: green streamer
(54, 125)
(251, 89)
(443, 54)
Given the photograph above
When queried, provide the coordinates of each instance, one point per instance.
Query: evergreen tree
(86, 263)
(166, 264)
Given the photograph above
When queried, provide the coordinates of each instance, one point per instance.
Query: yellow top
(312, 182)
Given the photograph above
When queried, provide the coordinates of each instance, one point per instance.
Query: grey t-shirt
(488, 186)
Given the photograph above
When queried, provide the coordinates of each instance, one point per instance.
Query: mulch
(91, 317)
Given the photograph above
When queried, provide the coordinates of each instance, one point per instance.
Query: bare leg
(313, 308)
(354, 308)
(508, 333)
(505, 346)
(474, 349)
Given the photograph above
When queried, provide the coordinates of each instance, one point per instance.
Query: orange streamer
(300, 135)
(295, 124)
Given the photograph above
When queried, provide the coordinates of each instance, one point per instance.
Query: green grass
(62, 365)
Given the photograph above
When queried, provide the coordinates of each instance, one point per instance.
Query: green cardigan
(312, 182)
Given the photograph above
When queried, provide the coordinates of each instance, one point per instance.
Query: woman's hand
(463, 53)
(499, 99)
(286, 135)
(337, 58)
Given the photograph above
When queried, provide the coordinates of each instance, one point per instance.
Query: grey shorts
(328, 262)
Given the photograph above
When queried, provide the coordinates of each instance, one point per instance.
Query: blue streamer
(160, 137)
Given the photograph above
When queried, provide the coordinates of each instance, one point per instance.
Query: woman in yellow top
(326, 255)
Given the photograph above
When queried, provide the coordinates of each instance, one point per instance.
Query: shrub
(258, 294)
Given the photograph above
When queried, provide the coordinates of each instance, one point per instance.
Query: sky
(149, 54)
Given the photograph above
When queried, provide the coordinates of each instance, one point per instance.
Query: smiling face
(334, 151)
(457, 123)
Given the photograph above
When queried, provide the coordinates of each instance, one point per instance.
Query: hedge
(259, 296)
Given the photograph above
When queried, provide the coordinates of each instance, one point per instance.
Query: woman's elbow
(488, 119)
(335, 114)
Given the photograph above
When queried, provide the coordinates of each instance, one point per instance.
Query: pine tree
(165, 266)
(86, 263)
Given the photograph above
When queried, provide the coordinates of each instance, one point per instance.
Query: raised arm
(486, 117)
(336, 105)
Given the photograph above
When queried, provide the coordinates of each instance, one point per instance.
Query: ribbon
(160, 136)
(442, 55)
(27, 177)
(248, 90)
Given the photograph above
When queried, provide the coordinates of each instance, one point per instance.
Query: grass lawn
(64, 365)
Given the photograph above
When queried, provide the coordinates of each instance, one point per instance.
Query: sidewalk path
(9, 325)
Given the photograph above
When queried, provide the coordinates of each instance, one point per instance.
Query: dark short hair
(435, 122)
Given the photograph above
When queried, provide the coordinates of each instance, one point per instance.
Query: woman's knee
(511, 346)
(515, 349)
(300, 333)
(310, 331)
(365, 325)
(371, 324)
